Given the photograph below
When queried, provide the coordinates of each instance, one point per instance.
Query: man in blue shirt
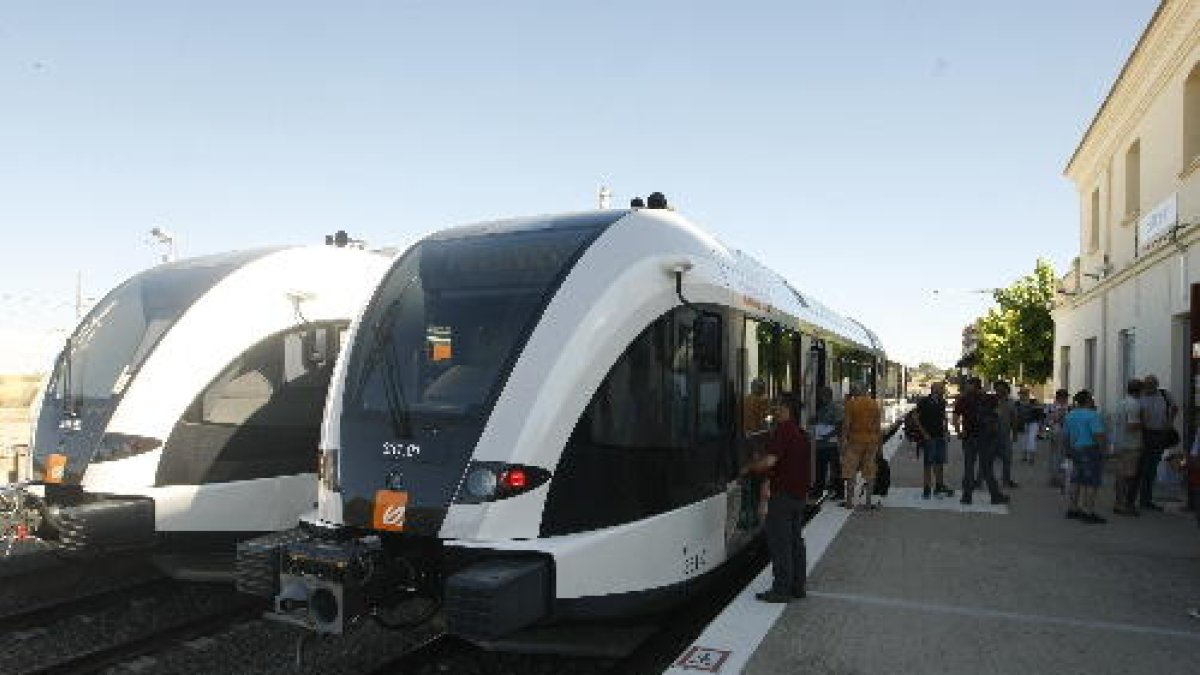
(1085, 440)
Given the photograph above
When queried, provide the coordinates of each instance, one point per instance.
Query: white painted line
(738, 630)
(982, 613)
(910, 498)
(727, 644)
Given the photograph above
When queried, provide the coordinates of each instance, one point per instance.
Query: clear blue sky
(870, 151)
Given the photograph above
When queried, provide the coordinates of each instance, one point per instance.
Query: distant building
(970, 339)
(970, 350)
(1126, 307)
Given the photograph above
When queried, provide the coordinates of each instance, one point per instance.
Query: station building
(1130, 304)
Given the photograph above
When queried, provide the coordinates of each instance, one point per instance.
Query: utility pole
(78, 294)
(605, 197)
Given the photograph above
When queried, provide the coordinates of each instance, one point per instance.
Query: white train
(541, 420)
(185, 409)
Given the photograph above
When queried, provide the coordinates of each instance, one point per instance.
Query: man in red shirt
(788, 462)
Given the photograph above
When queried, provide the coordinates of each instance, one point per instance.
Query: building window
(1133, 180)
(1089, 365)
(1064, 368)
(1093, 242)
(1125, 343)
(1191, 118)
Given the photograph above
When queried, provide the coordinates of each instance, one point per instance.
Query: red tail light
(514, 479)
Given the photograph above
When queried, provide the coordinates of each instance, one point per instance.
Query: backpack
(911, 431)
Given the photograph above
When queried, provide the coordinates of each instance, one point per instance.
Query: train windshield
(450, 320)
(114, 340)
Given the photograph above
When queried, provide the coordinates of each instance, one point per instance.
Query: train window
(451, 318)
(710, 382)
(659, 422)
(277, 383)
(261, 416)
(756, 397)
(707, 330)
(657, 394)
(853, 366)
(633, 406)
(790, 344)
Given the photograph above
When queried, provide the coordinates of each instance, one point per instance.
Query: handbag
(1170, 438)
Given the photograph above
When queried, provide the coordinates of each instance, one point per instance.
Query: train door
(768, 369)
(712, 426)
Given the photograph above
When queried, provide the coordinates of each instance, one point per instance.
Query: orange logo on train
(56, 468)
(390, 506)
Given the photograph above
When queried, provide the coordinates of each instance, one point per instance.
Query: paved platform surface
(934, 587)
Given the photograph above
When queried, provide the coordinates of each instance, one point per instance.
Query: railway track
(429, 652)
(51, 612)
(111, 655)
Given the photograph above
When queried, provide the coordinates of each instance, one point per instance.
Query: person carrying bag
(1158, 434)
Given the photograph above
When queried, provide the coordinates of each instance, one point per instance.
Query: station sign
(1157, 224)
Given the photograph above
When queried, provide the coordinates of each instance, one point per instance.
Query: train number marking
(401, 450)
(703, 658)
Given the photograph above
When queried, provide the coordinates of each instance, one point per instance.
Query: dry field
(16, 393)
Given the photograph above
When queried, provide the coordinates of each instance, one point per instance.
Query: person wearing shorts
(860, 442)
(930, 416)
(1085, 438)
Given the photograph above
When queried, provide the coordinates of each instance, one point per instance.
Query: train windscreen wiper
(70, 402)
(383, 355)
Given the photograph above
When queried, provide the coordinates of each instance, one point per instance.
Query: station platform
(937, 587)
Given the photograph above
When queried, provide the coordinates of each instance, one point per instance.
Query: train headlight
(481, 482)
(490, 481)
(121, 446)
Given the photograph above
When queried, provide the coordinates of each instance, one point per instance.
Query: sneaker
(1093, 519)
(966, 499)
(1150, 506)
(1075, 513)
(1001, 499)
(943, 491)
(1194, 613)
(1125, 510)
(772, 596)
(925, 493)
(1010, 484)
(800, 594)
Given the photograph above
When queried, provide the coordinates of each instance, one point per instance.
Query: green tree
(1016, 339)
